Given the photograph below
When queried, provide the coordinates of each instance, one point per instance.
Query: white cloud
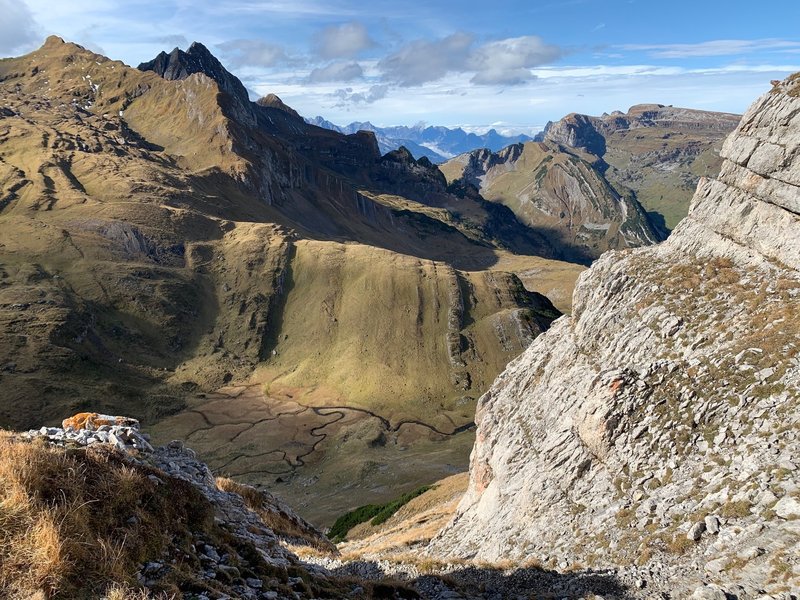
(605, 72)
(712, 48)
(172, 41)
(253, 53)
(342, 41)
(509, 61)
(559, 90)
(503, 62)
(289, 8)
(336, 71)
(422, 61)
(18, 30)
(347, 96)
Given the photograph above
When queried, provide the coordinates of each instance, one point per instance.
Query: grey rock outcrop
(670, 395)
(197, 59)
(578, 131)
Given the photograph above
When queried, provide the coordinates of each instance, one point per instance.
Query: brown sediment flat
(286, 445)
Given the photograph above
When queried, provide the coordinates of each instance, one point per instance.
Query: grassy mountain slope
(659, 152)
(162, 239)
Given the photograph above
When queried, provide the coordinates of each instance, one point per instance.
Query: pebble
(712, 524)
(696, 531)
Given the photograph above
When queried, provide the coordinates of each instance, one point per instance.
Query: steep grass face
(73, 523)
(375, 328)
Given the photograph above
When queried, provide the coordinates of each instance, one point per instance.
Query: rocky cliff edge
(654, 432)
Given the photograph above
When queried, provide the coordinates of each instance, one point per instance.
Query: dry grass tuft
(124, 592)
(72, 522)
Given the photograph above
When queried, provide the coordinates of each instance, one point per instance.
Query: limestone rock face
(658, 424)
(577, 131)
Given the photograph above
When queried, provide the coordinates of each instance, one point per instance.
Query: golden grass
(124, 592)
(73, 522)
(553, 278)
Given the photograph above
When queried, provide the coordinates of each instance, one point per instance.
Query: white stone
(787, 508)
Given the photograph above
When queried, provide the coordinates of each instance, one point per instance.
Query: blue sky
(511, 64)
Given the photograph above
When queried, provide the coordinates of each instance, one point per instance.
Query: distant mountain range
(438, 144)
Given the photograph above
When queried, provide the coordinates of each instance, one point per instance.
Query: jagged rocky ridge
(435, 143)
(655, 430)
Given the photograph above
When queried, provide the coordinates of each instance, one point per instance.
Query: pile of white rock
(126, 438)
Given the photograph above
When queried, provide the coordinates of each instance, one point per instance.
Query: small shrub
(362, 514)
(376, 514)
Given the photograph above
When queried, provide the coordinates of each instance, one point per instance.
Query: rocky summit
(656, 152)
(654, 431)
(563, 192)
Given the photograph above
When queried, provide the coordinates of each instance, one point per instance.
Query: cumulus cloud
(422, 61)
(509, 61)
(17, 27)
(342, 41)
(254, 53)
(336, 71)
(503, 62)
(373, 94)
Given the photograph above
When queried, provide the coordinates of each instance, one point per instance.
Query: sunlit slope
(156, 243)
(394, 332)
